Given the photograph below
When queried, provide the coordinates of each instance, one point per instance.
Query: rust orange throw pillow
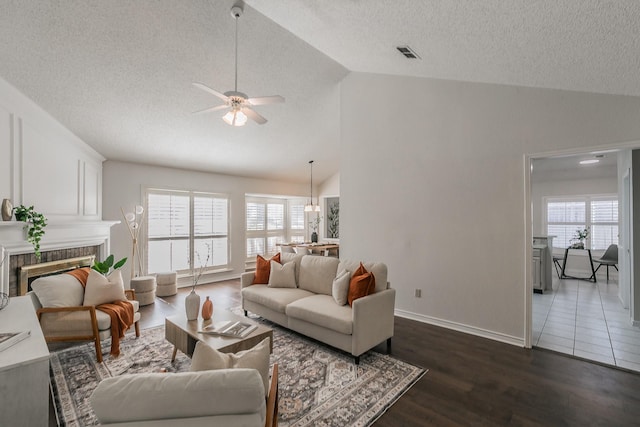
(362, 284)
(263, 269)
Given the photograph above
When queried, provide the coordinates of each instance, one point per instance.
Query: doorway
(578, 317)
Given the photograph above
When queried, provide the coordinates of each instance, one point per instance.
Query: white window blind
(270, 221)
(184, 229)
(564, 216)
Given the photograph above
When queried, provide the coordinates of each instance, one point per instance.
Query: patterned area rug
(319, 386)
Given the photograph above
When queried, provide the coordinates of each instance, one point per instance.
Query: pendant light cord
(311, 185)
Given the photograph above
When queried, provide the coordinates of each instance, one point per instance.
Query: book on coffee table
(7, 339)
(229, 328)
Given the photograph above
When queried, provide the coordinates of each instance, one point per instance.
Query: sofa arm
(246, 279)
(162, 396)
(373, 319)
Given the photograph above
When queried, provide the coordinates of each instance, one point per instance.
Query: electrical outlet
(418, 293)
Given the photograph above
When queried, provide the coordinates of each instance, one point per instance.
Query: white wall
(125, 183)
(45, 165)
(433, 184)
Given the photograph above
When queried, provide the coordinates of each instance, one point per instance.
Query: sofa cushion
(263, 269)
(282, 275)
(378, 269)
(102, 290)
(362, 284)
(297, 258)
(274, 298)
(340, 287)
(206, 358)
(59, 290)
(317, 273)
(160, 396)
(323, 311)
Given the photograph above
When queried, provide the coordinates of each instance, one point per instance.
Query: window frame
(284, 234)
(587, 200)
(192, 257)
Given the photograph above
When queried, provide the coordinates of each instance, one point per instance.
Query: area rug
(318, 386)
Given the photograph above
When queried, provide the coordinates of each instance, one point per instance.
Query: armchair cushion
(60, 290)
(206, 358)
(103, 290)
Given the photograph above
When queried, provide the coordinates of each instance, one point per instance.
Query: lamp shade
(235, 118)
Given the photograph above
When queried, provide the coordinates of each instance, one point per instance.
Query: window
(271, 221)
(186, 230)
(565, 215)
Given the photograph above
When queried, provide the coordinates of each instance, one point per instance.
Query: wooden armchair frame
(272, 399)
(95, 336)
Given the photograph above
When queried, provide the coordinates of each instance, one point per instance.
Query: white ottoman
(167, 284)
(145, 287)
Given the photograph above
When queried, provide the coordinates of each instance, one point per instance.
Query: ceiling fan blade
(263, 100)
(208, 110)
(211, 91)
(254, 116)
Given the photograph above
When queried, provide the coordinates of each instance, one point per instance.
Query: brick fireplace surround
(62, 240)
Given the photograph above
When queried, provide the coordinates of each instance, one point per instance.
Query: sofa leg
(357, 360)
(137, 327)
(388, 345)
(245, 313)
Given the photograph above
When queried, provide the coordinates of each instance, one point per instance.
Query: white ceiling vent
(408, 52)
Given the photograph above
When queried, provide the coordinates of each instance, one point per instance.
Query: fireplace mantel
(59, 234)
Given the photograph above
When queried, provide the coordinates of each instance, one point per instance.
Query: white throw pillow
(340, 287)
(59, 290)
(102, 290)
(206, 358)
(282, 275)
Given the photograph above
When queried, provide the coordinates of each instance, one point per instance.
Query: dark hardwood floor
(474, 381)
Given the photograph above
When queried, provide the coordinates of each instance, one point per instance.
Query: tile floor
(586, 319)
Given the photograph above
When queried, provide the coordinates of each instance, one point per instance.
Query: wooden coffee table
(183, 334)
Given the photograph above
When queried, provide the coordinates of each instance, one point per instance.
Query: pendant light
(311, 207)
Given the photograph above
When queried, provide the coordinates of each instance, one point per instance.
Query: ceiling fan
(238, 103)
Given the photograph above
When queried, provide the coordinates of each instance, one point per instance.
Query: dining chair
(608, 259)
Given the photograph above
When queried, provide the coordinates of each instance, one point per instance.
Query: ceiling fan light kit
(237, 103)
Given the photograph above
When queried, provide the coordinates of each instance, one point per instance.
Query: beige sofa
(227, 397)
(310, 308)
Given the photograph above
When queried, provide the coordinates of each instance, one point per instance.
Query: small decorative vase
(207, 309)
(314, 237)
(7, 210)
(192, 305)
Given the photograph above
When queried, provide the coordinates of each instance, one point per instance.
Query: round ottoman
(145, 287)
(167, 284)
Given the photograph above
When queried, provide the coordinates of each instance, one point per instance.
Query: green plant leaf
(120, 263)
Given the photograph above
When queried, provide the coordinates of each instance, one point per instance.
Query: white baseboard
(484, 333)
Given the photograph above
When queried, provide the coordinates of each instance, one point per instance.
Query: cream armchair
(225, 397)
(58, 301)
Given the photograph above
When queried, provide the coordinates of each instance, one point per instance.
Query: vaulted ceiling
(118, 73)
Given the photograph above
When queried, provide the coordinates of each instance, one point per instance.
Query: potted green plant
(315, 224)
(35, 224)
(104, 266)
(578, 240)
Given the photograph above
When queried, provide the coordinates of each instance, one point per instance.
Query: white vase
(192, 305)
(7, 210)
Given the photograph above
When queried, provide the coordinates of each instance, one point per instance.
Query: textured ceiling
(118, 73)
